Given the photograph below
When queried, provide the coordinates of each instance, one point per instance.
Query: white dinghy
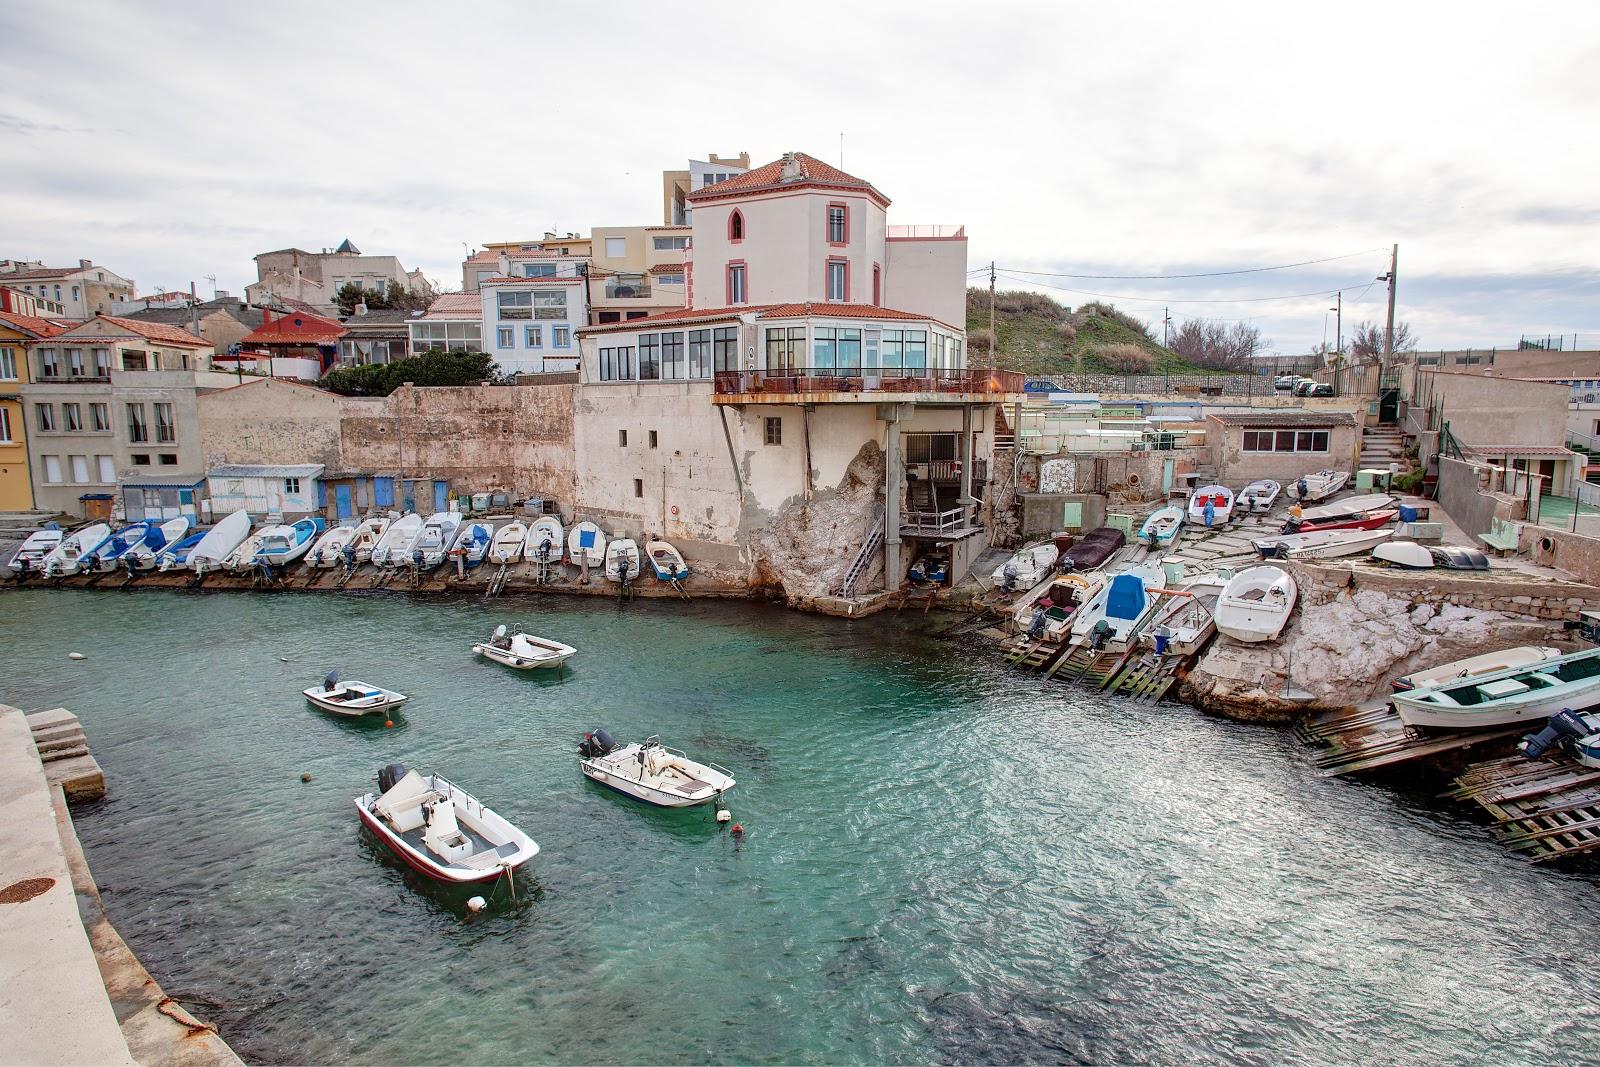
(329, 549)
(543, 544)
(622, 560)
(352, 700)
(434, 542)
(508, 542)
(1188, 618)
(143, 556)
(1259, 496)
(1161, 528)
(1220, 497)
(1255, 604)
(1406, 554)
(1320, 484)
(1027, 567)
(219, 543)
(651, 772)
(366, 538)
(524, 651)
(1488, 663)
(31, 553)
(586, 543)
(73, 551)
(441, 830)
(394, 547)
(1321, 544)
(241, 559)
(666, 562)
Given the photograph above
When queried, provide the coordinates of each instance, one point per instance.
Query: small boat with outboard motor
(282, 545)
(352, 700)
(1319, 485)
(622, 560)
(1320, 544)
(441, 830)
(665, 561)
(1093, 549)
(217, 546)
(1120, 609)
(329, 549)
(1027, 566)
(1218, 497)
(651, 772)
(1259, 496)
(1525, 693)
(433, 543)
(32, 552)
(68, 557)
(507, 544)
(1162, 526)
(176, 556)
(393, 549)
(523, 651)
(1346, 509)
(1255, 604)
(142, 555)
(586, 544)
(472, 543)
(544, 539)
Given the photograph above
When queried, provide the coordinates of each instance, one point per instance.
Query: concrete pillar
(893, 470)
(966, 499)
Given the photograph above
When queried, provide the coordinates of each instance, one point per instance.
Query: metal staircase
(863, 560)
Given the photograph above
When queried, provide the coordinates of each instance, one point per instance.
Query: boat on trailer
(524, 651)
(352, 700)
(1489, 662)
(1528, 693)
(651, 772)
(32, 552)
(1320, 484)
(1161, 527)
(1259, 495)
(441, 830)
(1255, 604)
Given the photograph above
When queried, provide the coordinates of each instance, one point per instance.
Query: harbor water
(943, 861)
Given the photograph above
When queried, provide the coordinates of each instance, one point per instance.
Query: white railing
(1587, 493)
(924, 231)
(1584, 440)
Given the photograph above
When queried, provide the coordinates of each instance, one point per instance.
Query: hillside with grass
(1038, 336)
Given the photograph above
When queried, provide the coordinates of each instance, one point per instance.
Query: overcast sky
(174, 141)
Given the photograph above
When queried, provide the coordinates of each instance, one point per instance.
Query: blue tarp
(1126, 599)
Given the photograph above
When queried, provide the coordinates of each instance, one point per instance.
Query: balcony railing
(936, 522)
(626, 290)
(857, 380)
(88, 379)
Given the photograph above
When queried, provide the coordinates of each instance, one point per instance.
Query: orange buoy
(388, 724)
(738, 828)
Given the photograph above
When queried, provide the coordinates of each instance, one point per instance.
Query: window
(608, 316)
(141, 459)
(649, 357)
(506, 337)
(638, 315)
(616, 364)
(786, 350)
(616, 247)
(47, 416)
(667, 244)
(916, 351)
(638, 487)
(725, 347)
(100, 417)
(736, 226)
(168, 459)
(74, 292)
(550, 304)
(847, 351)
(5, 426)
(135, 360)
(838, 224)
(672, 355)
(538, 270)
(52, 468)
(1286, 440)
(622, 438)
(291, 486)
(822, 348)
(102, 362)
(561, 337)
(652, 439)
(75, 363)
(166, 428)
(838, 279)
(8, 364)
(669, 279)
(699, 353)
(737, 288)
(533, 336)
(138, 430)
(80, 468)
(49, 363)
(71, 417)
(514, 305)
(774, 430)
(877, 286)
(108, 469)
(446, 336)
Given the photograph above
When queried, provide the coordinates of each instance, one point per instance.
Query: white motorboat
(243, 558)
(1259, 495)
(1027, 567)
(352, 700)
(508, 543)
(441, 830)
(1406, 554)
(1162, 526)
(329, 549)
(1350, 507)
(108, 556)
(1187, 618)
(524, 651)
(622, 560)
(666, 562)
(1319, 485)
(68, 556)
(434, 542)
(1120, 609)
(1255, 604)
(282, 545)
(651, 772)
(1060, 597)
(393, 549)
(1526, 693)
(368, 533)
(32, 552)
(586, 544)
(472, 541)
(1321, 544)
(143, 556)
(543, 544)
(176, 556)
(1488, 663)
(1220, 497)
(218, 545)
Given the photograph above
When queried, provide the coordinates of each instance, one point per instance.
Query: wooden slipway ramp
(1371, 736)
(1547, 808)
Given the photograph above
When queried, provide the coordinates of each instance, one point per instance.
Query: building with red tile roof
(80, 291)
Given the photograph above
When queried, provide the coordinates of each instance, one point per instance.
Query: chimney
(85, 264)
(266, 316)
(549, 235)
(791, 169)
(505, 265)
(361, 308)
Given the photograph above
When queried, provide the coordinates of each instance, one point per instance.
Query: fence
(836, 379)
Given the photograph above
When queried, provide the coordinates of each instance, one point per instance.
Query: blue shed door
(441, 496)
(341, 500)
(410, 489)
(383, 492)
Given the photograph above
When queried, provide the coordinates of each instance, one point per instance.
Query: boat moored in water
(352, 700)
(651, 772)
(441, 830)
(1255, 604)
(524, 651)
(1527, 693)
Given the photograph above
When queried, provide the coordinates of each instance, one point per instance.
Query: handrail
(852, 379)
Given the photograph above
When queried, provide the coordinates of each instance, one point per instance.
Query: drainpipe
(890, 413)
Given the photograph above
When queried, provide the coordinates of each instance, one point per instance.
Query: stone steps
(64, 750)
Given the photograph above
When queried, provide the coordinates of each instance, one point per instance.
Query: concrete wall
(928, 276)
(1130, 475)
(517, 438)
(1463, 493)
(1497, 411)
(1237, 467)
(1575, 553)
(1042, 513)
(1543, 599)
(267, 420)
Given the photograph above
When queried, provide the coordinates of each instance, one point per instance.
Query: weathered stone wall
(1042, 512)
(516, 438)
(1577, 554)
(1131, 476)
(269, 420)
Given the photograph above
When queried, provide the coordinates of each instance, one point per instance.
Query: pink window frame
(827, 224)
(826, 270)
(877, 285)
(736, 214)
(728, 281)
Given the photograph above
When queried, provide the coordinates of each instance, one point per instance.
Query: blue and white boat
(1527, 693)
(926, 569)
(142, 556)
(285, 544)
(108, 554)
(472, 543)
(1124, 604)
(69, 556)
(1162, 527)
(668, 565)
(176, 556)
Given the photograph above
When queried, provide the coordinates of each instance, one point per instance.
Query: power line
(1205, 274)
(1185, 300)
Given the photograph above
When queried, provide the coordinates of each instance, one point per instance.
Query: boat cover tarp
(1460, 559)
(1096, 547)
(1126, 599)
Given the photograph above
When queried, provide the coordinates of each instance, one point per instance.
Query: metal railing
(939, 521)
(89, 379)
(856, 380)
(616, 290)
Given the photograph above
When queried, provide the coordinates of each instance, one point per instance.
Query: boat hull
(1479, 717)
(421, 863)
(345, 711)
(639, 791)
(508, 658)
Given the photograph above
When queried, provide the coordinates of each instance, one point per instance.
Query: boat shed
(162, 496)
(289, 489)
(1282, 445)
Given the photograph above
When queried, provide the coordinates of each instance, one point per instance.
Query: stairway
(1381, 446)
(863, 560)
(64, 751)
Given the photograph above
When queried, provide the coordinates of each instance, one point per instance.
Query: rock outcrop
(806, 548)
(1347, 651)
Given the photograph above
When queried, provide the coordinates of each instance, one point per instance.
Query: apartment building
(16, 331)
(540, 258)
(676, 185)
(81, 291)
(315, 278)
(637, 271)
(531, 322)
(110, 397)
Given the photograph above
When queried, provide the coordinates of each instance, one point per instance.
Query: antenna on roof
(841, 150)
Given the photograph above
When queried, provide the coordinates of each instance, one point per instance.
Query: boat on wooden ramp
(1255, 604)
(1187, 618)
(472, 543)
(1489, 662)
(649, 771)
(1120, 609)
(667, 562)
(329, 549)
(352, 700)
(1027, 566)
(142, 555)
(439, 829)
(586, 544)
(1161, 527)
(281, 545)
(176, 556)
(217, 546)
(32, 552)
(434, 542)
(68, 557)
(1319, 485)
(1526, 693)
(241, 559)
(394, 547)
(1094, 548)
(508, 541)
(1067, 594)
(524, 651)
(1259, 496)
(622, 560)
(1320, 544)
(543, 544)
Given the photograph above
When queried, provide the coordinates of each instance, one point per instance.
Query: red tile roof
(35, 325)
(43, 272)
(152, 331)
(667, 268)
(456, 306)
(813, 173)
(507, 279)
(299, 329)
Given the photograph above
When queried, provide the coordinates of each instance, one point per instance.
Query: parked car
(1305, 386)
(1286, 381)
(1321, 389)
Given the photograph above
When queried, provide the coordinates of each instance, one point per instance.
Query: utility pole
(194, 312)
(1166, 320)
(1388, 328)
(994, 342)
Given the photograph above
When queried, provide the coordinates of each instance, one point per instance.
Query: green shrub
(434, 367)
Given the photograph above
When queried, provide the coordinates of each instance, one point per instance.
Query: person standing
(1211, 511)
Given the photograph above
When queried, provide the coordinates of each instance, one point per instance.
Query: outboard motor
(389, 775)
(596, 744)
(1564, 724)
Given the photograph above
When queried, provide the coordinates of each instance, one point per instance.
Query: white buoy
(283, 659)
(76, 655)
(477, 904)
(723, 814)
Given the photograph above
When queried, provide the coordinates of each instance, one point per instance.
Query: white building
(289, 490)
(453, 323)
(315, 278)
(531, 312)
(81, 291)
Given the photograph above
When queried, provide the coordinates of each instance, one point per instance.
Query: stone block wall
(1537, 598)
(1577, 554)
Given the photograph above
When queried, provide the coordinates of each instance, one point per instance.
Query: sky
(173, 141)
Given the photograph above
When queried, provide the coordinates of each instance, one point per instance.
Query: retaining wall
(1535, 597)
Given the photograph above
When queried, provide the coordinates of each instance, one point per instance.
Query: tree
(1366, 344)
(1126, 358)
(433, 367)
(394, 296)
(1216, 346)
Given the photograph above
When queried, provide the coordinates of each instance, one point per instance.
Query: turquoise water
(944, 861)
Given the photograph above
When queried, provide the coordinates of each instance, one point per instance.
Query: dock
(1371, 736)
(1547, 809)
